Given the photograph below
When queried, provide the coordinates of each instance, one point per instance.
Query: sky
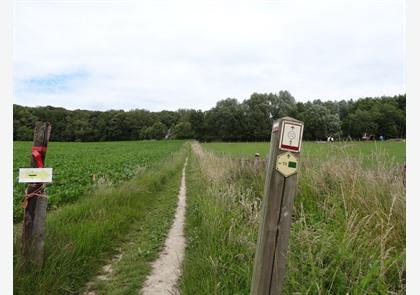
(167, 55)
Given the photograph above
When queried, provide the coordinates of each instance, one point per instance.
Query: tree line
(229, 120)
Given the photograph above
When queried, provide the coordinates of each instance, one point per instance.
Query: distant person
(381, 138)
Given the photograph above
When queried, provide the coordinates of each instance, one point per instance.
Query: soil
(166, 270)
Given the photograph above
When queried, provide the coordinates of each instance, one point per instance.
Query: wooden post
(257, 162)
(35, 203)
(280, 190)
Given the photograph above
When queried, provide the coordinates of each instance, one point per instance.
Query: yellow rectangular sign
(34, 175)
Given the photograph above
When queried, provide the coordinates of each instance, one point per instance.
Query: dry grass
(347, 236)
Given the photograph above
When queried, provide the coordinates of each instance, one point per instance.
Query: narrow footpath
(166, 270)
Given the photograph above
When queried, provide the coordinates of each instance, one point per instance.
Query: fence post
(35, 203)
(257, 162)
(279, 192)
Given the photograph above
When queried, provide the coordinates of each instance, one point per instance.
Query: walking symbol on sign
(291, 136)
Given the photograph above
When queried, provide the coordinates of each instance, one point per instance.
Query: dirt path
(107, 271)
(167, 268)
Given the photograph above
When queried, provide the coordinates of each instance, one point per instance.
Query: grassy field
(131, 218)
(393, 151)
(347, 235)
(348, 226)
(81, 167)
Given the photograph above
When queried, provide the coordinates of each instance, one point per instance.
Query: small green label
(292, 164)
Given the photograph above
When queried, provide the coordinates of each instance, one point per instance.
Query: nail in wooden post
(36, 207)
(280, 190)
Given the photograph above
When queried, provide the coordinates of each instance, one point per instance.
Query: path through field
(167, 268)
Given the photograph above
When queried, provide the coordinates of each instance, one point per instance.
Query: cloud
(178, 54)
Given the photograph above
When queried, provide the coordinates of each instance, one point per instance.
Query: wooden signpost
(280, 190)
(35, 202)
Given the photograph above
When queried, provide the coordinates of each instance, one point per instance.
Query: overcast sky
(118, 54)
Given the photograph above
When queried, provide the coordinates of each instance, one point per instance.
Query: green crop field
(394, 151)
(79, 167)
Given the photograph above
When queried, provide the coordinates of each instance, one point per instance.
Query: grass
(394, 151)
(141, 246)
(83, 167)
(221, 226)
(347, 234)
(81, 237)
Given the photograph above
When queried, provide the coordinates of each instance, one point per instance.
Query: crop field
(80, 167)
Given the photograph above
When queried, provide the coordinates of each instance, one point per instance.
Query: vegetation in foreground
(81, 167)
(347, 235)
(81, 237)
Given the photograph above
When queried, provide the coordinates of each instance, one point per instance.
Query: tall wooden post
(280, 190)
(35, 203)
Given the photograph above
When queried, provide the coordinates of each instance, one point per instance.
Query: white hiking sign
(35, 175)
(291, 136)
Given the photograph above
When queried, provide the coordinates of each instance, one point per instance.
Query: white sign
(34, 175)
(291, 136)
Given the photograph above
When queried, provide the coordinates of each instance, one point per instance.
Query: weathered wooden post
(257, 162)
(35, 202)
(280, 190)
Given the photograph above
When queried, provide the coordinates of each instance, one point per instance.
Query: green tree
(389, 120)
(360, 122)
(320, 123)
(281, 105)
(156, 131)
(183, 130)
(224, 122)
(257, 117)
(23, 123)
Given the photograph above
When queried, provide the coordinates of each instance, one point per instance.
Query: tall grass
(82, 237)
(347, 235)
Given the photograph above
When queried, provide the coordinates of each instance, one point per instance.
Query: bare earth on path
(107, 270)
(166, 270)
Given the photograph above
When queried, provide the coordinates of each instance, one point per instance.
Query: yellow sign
(33, 175)
(287, 164)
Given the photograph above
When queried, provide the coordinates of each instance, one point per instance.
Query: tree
(257, 117)
(197, 124)
(360, 122)
(282, 105)
(183, 130)
(156, 131)
(228, 120)
(117, 126)
(320, 123)
(224, 122)
(389, 120)
(23, 123)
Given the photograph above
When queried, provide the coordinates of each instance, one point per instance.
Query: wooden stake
(270, 260)
(257, 162)
(36, 207)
